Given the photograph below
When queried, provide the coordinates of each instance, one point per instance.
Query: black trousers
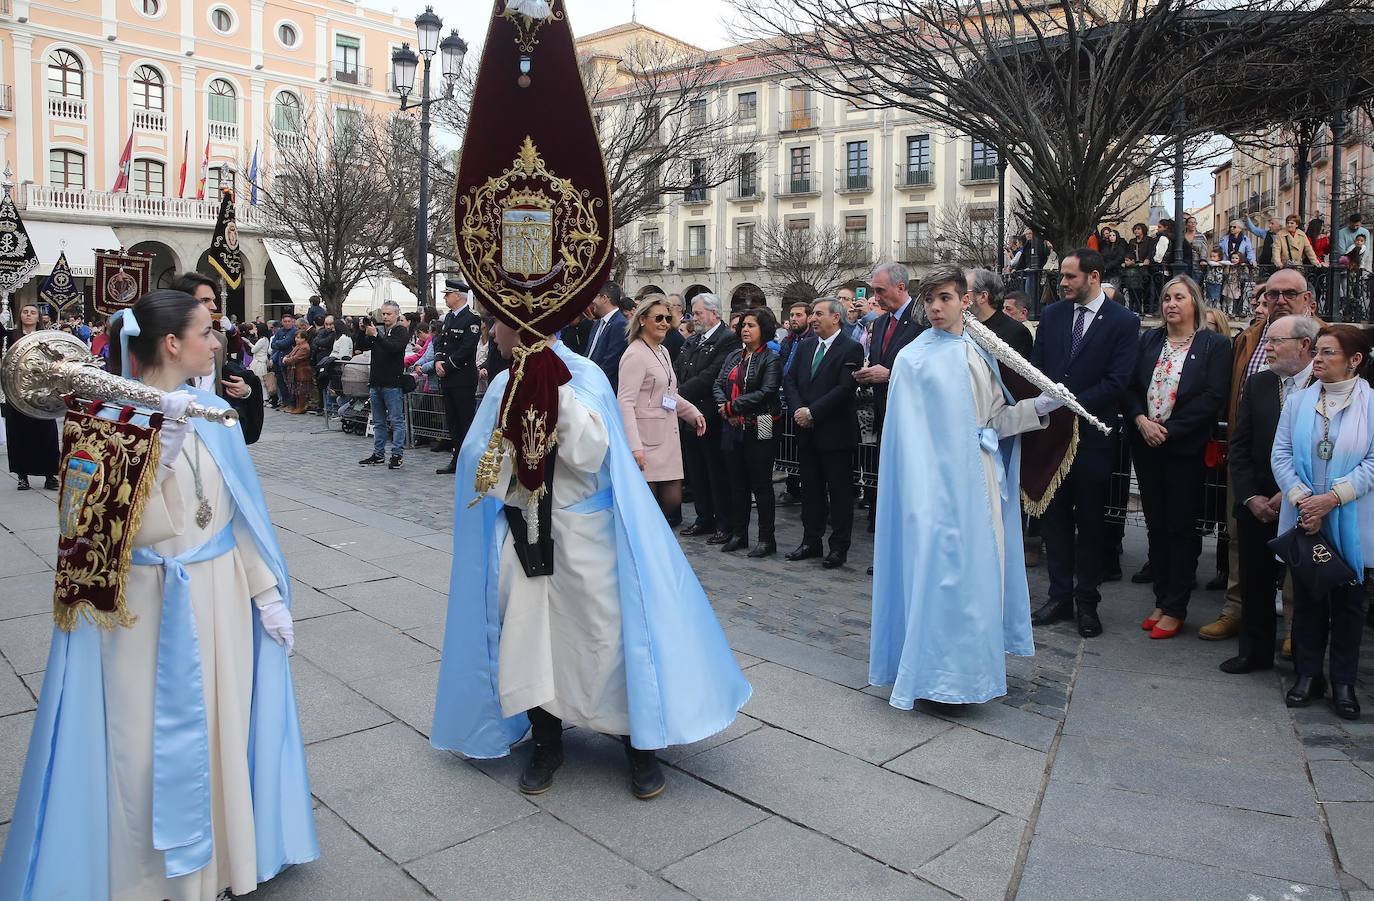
(1072, 529)
(827, 493)
(460, 405)
(1334, 621)
(749, 463)
(1259, 574)
(1171, 495)
(704, 463)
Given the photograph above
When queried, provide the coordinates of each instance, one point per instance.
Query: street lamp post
(404, 63)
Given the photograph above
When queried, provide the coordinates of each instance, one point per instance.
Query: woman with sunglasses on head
(1324, 465)
(650, 404)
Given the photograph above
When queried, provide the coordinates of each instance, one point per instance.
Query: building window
(696, 240)
(696, 113)
(696, 191)
(799, 111)
(856, 165)
(748, 106)
(856, 230)
(148, 178)
(799, 225)
(983, 162)
(800, 170)
(222, 104)
(652, 180)
(917, 230)
(287, 114)
(748, 174)
(744, 238)
(220, 178)
(348, 122)
(148, 89)
(649, 243)
(66, 77)
(653, 123)
(151, 8)
(222, 19)
(288, 35)
(67, 170)
(918, 160)
(346, 51)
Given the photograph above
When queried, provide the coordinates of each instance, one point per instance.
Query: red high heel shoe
(1157, 633)
(1149, 623)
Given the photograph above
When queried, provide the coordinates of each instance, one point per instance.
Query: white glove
(277, 623)
(174, 432)
(1045, 405)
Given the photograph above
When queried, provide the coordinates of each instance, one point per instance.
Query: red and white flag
(185, 158)
(121, 182)
(204, 171)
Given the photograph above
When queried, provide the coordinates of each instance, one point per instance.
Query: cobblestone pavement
(1117, 768)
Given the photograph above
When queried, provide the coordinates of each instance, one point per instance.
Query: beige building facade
(79, 77)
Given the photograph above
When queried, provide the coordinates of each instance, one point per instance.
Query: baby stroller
(353, 411)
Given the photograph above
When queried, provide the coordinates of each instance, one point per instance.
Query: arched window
(66, 76)
(148, 89)
(223, 104)
(220, 177)
(149, 178)
(67, 170)
(152, 7)
(286, 116)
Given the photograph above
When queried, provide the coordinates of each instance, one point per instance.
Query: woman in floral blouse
(1182, 379)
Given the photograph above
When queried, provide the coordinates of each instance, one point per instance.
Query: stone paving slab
(981, 866)
(841, 718)
(14, 694)
(406, 798)
(323, 568)
(14, 745)
(535, 859)
(401, 603)
(328, 707)
(406, 694)
(781, 861)
(1341, 781)
(1350, 829)
(1175, 827)
(798, 656)
(367, 542)
(348, 869)
(24, 642)
(18, 559)
(1007, 777)
(894, 819)
(592, 795)
(351, 646)
(27, 594)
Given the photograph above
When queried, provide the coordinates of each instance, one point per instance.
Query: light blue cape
(58, 845)
(944, 613)
(684, 684)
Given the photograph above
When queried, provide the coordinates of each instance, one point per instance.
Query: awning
(299, 284)
(78, 241)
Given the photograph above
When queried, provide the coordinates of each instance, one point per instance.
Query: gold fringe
(1038, 507)
(489, 466)
(68, 616)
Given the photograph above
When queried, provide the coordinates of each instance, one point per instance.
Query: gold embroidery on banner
(107, 477)
(544, 230)
(527, 27)
(534, 443)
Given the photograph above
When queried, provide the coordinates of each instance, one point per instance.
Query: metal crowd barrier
(425, 416)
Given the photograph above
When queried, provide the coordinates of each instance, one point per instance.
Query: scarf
(1352, 445)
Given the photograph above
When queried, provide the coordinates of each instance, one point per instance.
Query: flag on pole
(225, 256)
(121, 182)
(253, 176)
(204, 171)
(185, 158)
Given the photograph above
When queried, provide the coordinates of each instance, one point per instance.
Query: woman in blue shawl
(1324, 465)
(166, 759)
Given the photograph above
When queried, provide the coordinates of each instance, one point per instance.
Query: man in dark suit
(698, 366)
(985, 296)
(607, 342)
(820, 392)
(1089, 344)
(455, 363)
(1288, 347)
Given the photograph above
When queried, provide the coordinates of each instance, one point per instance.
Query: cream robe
(993, 412)
(221, 590)
(561, 647)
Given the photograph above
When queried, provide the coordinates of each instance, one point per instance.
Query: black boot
(1305, 690)
(50, 483)
(646, 776)
(1344, 702)
(765, 548)
(450, 469)
(546, 754)
(736, 543)
(23, 484)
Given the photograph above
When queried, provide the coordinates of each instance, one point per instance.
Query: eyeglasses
(1329, 352)
(1276, 340)
(1290, 294)
(660, 317)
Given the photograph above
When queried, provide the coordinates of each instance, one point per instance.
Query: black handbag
(1313, 561)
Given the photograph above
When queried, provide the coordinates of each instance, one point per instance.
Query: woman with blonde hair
(1181, 381)
(1217, 321)
(649, 402)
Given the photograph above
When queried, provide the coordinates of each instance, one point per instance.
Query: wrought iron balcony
(694, 196)
(920, 252)
(793, 187)
(800, 119)
(746, 190)
(347, 73)
(744, 259)
(917, 178)
(648, 261)
(855, 183)
(696, 259)
(980, 172)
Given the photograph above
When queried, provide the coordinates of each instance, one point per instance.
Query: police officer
(455, 363)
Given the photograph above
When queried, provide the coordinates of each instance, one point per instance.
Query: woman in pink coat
(650, 404)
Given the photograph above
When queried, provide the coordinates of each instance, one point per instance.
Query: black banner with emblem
(18, 260)
(61, 291)
(225, 257)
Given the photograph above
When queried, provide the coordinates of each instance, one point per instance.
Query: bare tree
(807, 262)
(659, 134)
(1083, 100)
(967, 235)
(327, 206)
